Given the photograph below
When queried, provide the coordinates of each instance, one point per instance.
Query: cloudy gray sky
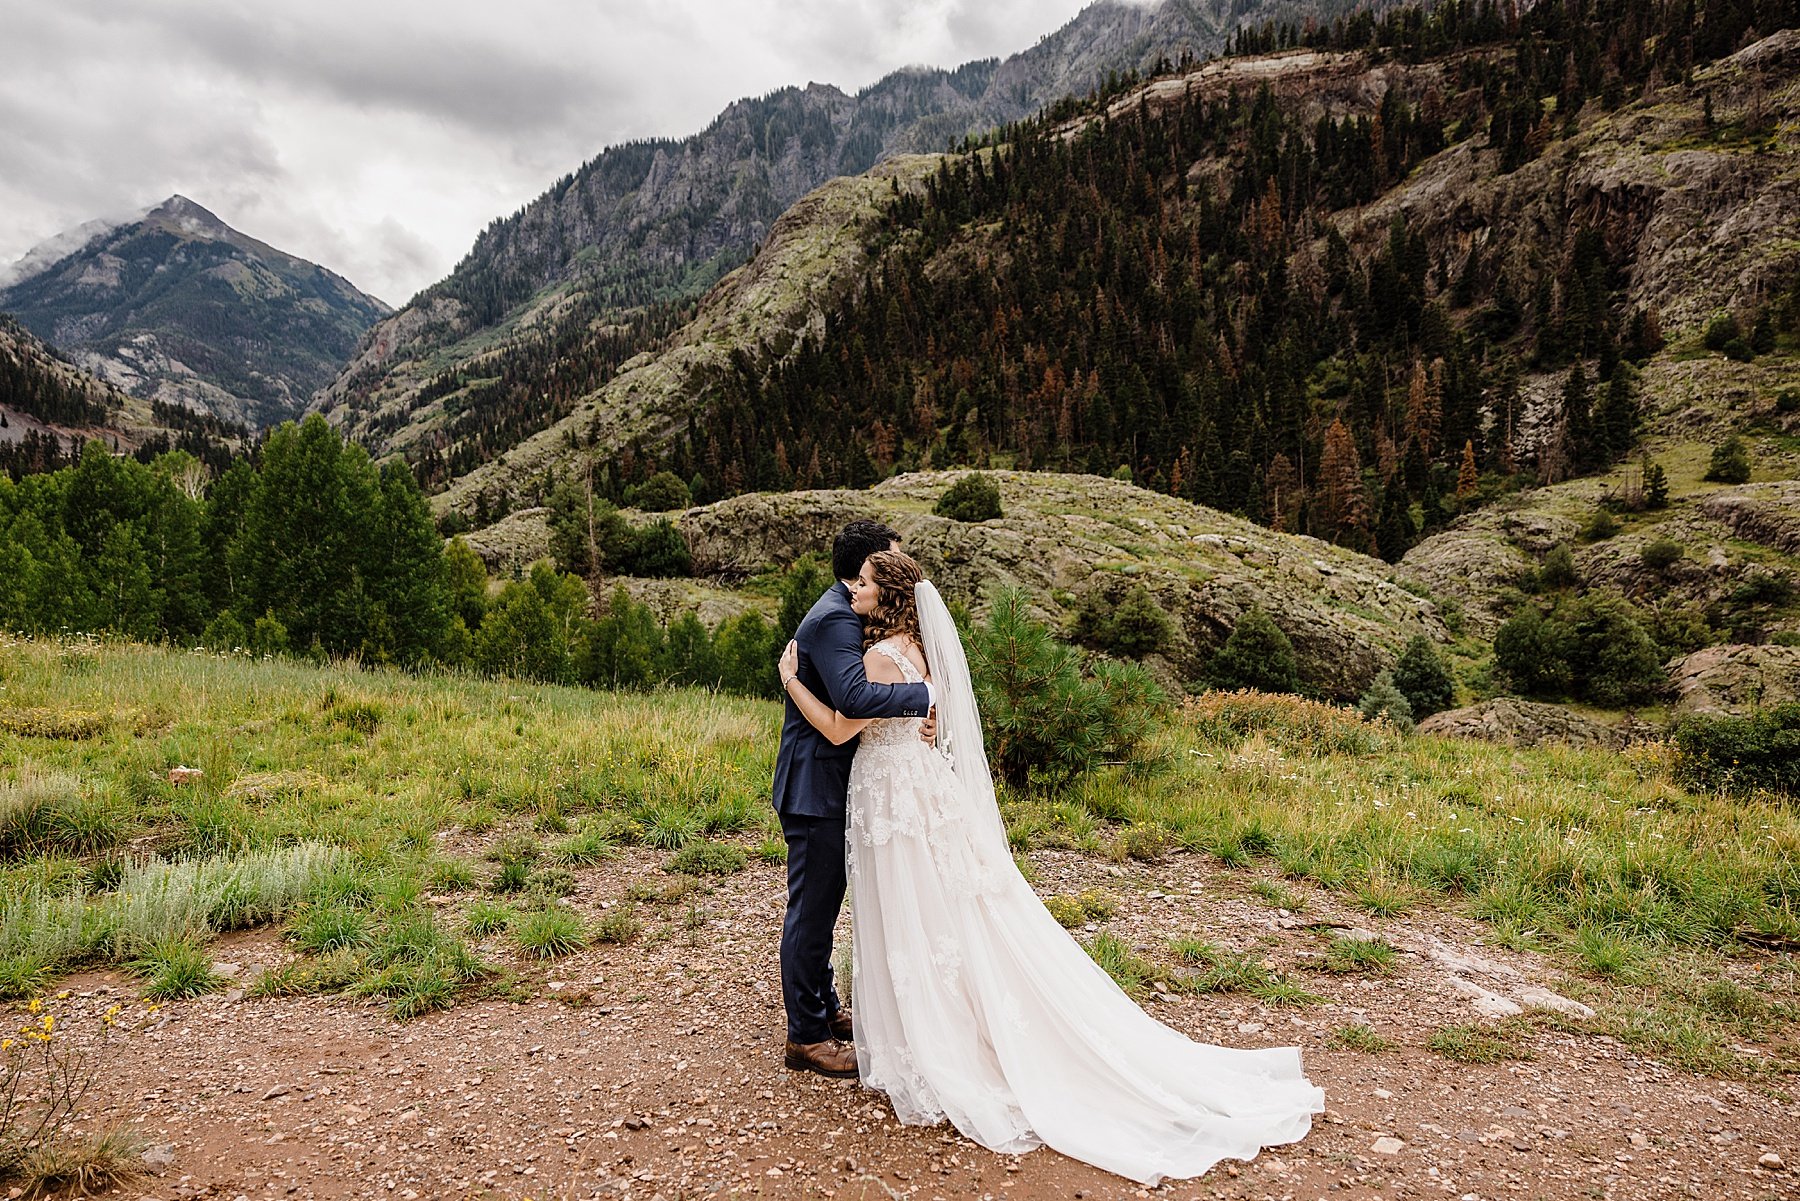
(378, 137)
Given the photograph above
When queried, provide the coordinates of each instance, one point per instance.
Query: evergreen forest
(1069, 296)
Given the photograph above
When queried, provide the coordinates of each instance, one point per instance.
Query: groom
(812, 778)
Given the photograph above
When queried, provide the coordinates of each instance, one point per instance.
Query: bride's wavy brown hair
(897, 612)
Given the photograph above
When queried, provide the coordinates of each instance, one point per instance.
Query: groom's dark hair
(856, 542)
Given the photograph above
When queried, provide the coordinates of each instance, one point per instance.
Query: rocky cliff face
(1066, 539)
(666, 218)
(178, 307)
(43, 396)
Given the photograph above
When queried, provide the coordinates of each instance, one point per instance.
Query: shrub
(1533, 651)
(1308, 726)
(1257, 656)
(975, 497)
(1383, 699)
(1730, 462)
(1601, 526)
(620, 924)
(661, 492)
(1041, 711)
(708, 859)
(1148, 841)
(1067, 911)
(1558, 569)
(1134, 626)
(1424, 678)
(1659, 554)
(657, 550)
(1615, 662)
(1741, 754)
(1721, 331)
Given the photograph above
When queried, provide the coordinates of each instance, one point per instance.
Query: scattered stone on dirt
(656, 1070)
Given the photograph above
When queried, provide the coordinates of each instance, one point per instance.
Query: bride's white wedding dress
(973, 1004)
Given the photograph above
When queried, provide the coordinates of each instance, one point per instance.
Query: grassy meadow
(323, 792)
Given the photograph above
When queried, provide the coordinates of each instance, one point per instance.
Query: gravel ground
(654, 1070)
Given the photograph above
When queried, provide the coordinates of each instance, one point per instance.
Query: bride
(971, 1002)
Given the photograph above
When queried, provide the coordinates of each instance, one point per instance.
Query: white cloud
(378, 137)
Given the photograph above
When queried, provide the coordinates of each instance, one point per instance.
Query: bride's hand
(790, 660)
(928, 728)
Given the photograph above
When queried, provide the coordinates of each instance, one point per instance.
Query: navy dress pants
(815, 895)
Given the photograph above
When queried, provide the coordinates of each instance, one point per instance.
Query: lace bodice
(894, 731)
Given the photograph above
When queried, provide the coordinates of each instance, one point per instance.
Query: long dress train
(973, 1004)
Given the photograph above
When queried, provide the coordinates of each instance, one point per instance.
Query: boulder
(1513, 722)
(1718, 680)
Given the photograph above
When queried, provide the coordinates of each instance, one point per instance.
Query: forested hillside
(1182, 284)
(589, 271)
(49, 407)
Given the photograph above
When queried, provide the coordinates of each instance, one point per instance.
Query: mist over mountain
(178, 307)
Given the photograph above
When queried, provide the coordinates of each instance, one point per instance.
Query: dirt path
(654, 1070)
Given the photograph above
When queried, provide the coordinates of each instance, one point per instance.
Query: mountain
(652, 224)
(178, 307)
(1304, 285)
(49, 408)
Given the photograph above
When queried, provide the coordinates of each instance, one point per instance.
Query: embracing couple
(970, 1002)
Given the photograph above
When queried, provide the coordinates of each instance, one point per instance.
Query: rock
(1765, 513)
(1515, 722)
(1387, 1144)
(1772, 1162)
(1487, 1002)
(1069, 540)
(185, 775)
(162, 1155)
(1734, 679)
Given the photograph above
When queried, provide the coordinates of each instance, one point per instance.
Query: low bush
(1384, 700)
(975, 497)
(1730, 462)
(1133, 626)
(1659, 554)
(1424, 679)
(1741, 754)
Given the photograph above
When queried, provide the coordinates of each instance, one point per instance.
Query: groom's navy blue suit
(812, 779)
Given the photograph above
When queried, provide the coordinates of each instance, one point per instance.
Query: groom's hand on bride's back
(928, 727)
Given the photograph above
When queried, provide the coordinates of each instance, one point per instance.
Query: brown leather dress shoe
(829, 1058)
(841, 1026)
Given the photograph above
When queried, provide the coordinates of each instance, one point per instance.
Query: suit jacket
(812, 777)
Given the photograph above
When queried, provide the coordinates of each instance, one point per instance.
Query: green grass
(708, 859)
(550, 933)
(484, 917)
(176, 969)
(1278, 895)
(1471, 1043)
(1356, 955)
(1131, 972)
(328, 790)
(1360, 1036)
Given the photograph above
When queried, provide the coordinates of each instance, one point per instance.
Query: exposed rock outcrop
(1735, 679)
(1068, 537)
(1513, 722)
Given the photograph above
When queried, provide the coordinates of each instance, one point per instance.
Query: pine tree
(1256, 655)
(1423, 678)
(1468, 478)
(1384, 700)
(1345, 509)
